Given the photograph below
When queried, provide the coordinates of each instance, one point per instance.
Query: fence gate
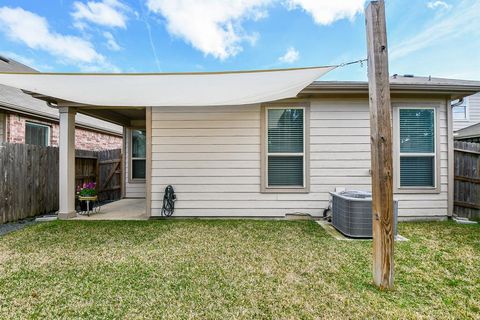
(467, 179)
(109, 175)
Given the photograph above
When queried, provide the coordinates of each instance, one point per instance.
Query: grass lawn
(226, 269)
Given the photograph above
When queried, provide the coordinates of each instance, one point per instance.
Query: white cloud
(325, 12)
(110, 13)
(438, 4)
(443, 29)
(214, 27)
(290, 56)
(111, 42)
(211, 26)
(33, 30)
(104, 67)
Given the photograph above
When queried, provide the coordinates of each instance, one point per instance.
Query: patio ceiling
(121, 116)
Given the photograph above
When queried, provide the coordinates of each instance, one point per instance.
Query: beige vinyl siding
(211, 155)
(2, 127)
(473, 113)
(132, 189)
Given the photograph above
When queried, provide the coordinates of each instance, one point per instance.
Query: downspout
(451, 155)
(148, 176)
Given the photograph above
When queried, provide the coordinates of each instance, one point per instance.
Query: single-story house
(24, 119)
(260, 143)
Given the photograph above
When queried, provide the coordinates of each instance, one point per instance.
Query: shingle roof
(16, 100)
(472, 131)
(454, 87)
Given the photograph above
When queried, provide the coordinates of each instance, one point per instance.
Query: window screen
(36, 134)
(139, 145)
(417, 147)
(285, 147)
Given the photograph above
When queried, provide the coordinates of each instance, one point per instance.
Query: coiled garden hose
(169, 199)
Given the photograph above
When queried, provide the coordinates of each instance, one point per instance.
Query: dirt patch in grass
(239, 269)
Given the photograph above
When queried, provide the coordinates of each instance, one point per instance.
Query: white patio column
(67, 163)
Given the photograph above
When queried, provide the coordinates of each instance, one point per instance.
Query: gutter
(362, 87)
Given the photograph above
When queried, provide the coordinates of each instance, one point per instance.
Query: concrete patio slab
(124, 209)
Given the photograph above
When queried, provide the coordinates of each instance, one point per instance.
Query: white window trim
(131, 158)
(38, 125)
(398, 154)
(467, 111)
(265, 188)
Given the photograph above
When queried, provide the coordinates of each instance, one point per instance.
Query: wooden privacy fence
(109, 174)
(29, 181)
(467, 179)
(29, 178)
(103, 167)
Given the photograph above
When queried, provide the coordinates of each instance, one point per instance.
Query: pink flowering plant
(87, 190)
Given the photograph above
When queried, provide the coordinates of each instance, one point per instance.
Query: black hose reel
(169, 199)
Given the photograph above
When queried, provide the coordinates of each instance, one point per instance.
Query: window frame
(3, 127)
(36, 124)
(264, 187)
(397, 154)
(131, 158)
(467, 111)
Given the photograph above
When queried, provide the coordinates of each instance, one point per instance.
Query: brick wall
(84, 139)
(15, 129)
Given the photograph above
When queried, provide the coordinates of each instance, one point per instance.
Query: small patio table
(90, 205)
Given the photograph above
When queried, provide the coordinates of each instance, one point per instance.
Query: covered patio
(124, 209)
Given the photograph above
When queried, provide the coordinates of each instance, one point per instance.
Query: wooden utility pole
(381, 145)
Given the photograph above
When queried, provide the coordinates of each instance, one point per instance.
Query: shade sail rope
(361, 61)
(343, 64)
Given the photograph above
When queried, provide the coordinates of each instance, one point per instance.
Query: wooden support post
(381, 145)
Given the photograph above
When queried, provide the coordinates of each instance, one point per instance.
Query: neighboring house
(262, 144)
(24, 119)
(466, 112)
(469, 134)
(466, 115)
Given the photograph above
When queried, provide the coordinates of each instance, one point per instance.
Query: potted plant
(87, 194)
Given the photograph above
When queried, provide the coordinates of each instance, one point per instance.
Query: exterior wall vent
(352, 213)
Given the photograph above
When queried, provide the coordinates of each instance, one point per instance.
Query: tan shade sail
(168, 89)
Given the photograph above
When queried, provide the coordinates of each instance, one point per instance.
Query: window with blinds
(285, 147)
(37, 134)
(417, 147)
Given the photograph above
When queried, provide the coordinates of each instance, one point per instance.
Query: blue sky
(426, 37)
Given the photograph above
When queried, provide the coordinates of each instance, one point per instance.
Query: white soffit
(168, 89)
